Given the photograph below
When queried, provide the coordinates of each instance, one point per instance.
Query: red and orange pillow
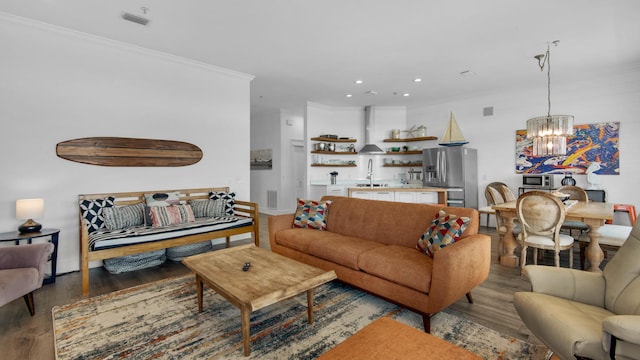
(445, 230)
(311, 214)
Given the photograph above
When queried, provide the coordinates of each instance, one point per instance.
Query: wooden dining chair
(575, 193)
(612, 236)
(495, 195)
(541, 215)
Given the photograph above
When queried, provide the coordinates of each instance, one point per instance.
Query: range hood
(369, 127)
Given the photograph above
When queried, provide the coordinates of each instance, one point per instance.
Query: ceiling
(303, 50)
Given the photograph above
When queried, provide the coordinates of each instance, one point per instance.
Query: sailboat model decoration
(452, 135)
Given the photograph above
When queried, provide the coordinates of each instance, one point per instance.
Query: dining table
(593, 214)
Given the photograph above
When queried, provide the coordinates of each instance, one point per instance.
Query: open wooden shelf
(334, 152)
(423, 138)
(415, 152)
(403, 165)
(333, 140)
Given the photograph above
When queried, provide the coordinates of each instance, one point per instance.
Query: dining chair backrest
(540, 213)
(574, 192)
(493, 195)
(505, 193)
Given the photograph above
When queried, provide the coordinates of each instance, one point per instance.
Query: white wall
(59, 85)
(609, 98)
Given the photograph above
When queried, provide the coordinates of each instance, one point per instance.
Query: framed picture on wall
(590, 143)
(261, 159)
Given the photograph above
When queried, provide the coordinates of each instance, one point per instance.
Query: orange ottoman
(386, 338)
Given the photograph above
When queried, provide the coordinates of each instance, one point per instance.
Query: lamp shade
(29, 209)
(549, 134)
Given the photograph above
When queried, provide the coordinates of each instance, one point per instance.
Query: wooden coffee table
(270, 279)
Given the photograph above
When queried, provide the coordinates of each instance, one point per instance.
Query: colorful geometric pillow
(204, 208)
(92, 212)
(228, 198)
(311, 214)
(120, 217)
(445, 229)
(162, 199)
(169, 215)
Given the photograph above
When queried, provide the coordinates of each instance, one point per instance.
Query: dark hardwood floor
(26, 337)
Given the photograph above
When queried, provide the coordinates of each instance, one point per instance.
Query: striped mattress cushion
(105, 239)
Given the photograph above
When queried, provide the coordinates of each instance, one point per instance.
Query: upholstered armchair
(586, 314)
(22, 271)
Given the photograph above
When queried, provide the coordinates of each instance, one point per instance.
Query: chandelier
(549, 132)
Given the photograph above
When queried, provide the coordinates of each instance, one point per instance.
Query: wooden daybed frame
(242, 208)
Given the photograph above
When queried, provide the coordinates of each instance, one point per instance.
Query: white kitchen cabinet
(362, 194)
(383, 195)
(426, 197)
(316, 192)
(405, 196)
(336, 190)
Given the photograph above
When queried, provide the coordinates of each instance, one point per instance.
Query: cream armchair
(585, 314)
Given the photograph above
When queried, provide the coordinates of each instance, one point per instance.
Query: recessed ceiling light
(348, 95)
(358, 82)
(417, 80)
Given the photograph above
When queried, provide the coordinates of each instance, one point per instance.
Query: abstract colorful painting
(589, 143)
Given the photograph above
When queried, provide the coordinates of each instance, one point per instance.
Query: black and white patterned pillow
(206, 208)
(92, 212)
(229, 200)
(120, 217)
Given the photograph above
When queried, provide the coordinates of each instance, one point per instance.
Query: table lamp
(28, 209)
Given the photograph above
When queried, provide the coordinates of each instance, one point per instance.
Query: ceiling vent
(135, 18)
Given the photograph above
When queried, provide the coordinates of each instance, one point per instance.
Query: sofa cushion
(162, 216)
(299, 239)
(120, 217)
(228, 198)
(92, 212)
(342, 250)
(311, 214)
(162, 199)
(445, 229)
(206, 208)
(399, 264)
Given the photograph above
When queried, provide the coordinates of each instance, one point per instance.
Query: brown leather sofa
(372, 245)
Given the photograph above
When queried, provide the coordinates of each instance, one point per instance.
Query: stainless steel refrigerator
(454, 168)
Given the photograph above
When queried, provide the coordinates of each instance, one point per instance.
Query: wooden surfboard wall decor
(120, 151)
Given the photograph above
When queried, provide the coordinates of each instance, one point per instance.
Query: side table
(28, 237)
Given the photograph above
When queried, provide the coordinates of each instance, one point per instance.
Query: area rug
(160, 320)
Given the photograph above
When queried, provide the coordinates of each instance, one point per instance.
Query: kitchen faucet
(370, 173)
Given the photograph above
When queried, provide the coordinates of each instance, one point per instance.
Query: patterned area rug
(160, 320)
